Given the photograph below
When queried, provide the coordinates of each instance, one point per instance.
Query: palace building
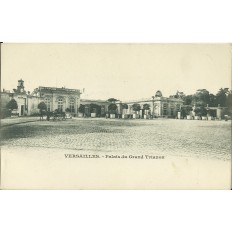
(69, 100)
(62, 99)
(157, 106)
(54, 98)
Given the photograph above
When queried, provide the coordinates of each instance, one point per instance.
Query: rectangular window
(165, 106)
(48, 104)
(172, 109)
(71, 105)
(60, 104)
(172, 112)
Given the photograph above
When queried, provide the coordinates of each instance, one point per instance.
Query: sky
(122, 71)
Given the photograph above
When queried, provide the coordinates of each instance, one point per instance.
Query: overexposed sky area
(122, 71)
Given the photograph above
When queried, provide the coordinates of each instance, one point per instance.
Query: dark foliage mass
(203, 98)
(112, 108)
(136, 107)
(12, 105)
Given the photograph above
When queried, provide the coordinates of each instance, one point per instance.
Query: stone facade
(69, 100)
(91, 105)
(157, 105)
(62, 99)
(54, 98)
(23, 99)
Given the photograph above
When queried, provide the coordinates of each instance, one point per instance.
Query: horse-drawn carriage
(55, 115)
(58, 116)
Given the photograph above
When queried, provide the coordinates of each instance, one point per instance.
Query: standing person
(41, 115)
(48, 116)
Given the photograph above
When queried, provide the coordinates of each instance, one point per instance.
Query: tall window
(178, 107)
(60, 104)
(172, 109)
(165, 106)
(71, 105)
(48, 103)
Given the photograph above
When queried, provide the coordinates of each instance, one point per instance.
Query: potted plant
(81, 110)
(136, 108)
(12, 106)
(68, 113)
(112, 110)
(124, 108)
(146, 108)
(95, 110)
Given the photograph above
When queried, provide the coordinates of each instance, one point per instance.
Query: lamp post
(153, 108)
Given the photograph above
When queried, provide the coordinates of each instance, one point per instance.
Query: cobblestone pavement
(206, 139)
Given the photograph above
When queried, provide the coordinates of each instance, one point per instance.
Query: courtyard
(85, 153)
(179, 138)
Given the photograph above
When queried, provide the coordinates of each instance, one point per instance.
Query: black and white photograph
(116, 116)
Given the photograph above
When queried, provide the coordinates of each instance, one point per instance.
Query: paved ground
(17, 120)
(168, 137)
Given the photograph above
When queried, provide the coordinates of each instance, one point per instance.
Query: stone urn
(80, 115)
(93, 115)
(112, 115)
(135, 116)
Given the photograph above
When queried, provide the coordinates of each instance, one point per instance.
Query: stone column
(54, 106)
(219, 113)
(76, 106)
(141, 113)
(66, 103)
(161, 108)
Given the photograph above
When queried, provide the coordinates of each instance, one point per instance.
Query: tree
(82, 109)
(146, 107)
(200, 111)
(136, 107)
(201, 97)
(185, 110)
(221, 96)
(12, 105)
(229, 103)
(94, 108)
(112, 108)
(124, 107)
(212, 100)
(178, 95)
(188, 99)
(42, 107)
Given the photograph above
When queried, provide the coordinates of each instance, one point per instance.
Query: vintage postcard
(116, 116)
